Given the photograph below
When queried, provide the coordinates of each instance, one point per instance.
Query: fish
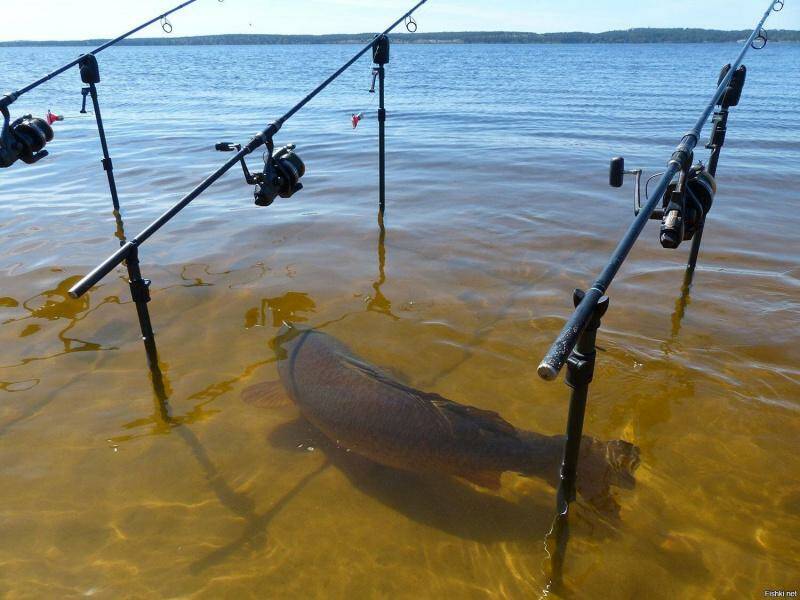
(368, 411)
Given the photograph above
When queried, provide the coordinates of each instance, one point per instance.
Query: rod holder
(91, 75)
(580, 372)
(381, 57)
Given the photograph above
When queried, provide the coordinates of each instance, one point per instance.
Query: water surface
(498, 207)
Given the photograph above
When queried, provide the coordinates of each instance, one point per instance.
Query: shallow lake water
(498, 206)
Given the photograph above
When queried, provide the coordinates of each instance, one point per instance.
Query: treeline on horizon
(628, 36)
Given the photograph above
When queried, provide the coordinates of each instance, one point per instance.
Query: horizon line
(407, 37)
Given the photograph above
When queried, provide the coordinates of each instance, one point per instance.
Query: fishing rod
(281, 177)
(25, 138)
(685, 204)
(674, 219)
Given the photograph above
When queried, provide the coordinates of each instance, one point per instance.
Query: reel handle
(227, 147)
(616, 172)
(616, 178)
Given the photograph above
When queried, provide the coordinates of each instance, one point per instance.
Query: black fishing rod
(286, 185)
(680, 162)
(684, 206)
(26, 137)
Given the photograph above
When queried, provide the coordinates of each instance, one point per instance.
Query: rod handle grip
(108, 265)
(559, 352)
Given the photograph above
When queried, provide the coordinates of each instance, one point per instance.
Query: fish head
(288, 336)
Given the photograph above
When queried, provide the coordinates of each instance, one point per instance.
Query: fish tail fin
(606, 464)
(621, 459)
(612, 463)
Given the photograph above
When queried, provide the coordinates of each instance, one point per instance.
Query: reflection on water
(120, 231)
(18, 386)
(254, 534)
(57, 305)
(288, 308)
(379, 302)
(162, 421)
(681, 304)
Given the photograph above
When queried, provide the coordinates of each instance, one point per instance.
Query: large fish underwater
(365, 410)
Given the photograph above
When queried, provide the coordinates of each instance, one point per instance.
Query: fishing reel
(281, 176)
(685, 203)
(23, 139)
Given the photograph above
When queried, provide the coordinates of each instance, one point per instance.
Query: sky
(83, 19)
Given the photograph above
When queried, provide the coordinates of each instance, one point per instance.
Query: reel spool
(24, 139)
(700, 189)
(281, 175)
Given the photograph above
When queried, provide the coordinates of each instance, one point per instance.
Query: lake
(498, 205)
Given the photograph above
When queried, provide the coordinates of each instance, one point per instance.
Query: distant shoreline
(629, 36)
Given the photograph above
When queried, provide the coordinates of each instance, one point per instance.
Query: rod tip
(547, 372)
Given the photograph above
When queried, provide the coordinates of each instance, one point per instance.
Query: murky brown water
(111, 489)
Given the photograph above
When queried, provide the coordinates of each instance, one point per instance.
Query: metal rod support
(719, 131)
(140, 292)
(695, 250)
(580, 372)
(382, 138)
(107, 164)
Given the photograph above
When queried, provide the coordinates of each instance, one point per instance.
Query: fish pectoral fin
(269, 394)
(486, 479)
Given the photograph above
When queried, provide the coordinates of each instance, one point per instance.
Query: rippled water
(497, 208)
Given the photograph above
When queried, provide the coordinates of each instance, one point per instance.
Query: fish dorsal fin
(422, 399)
(487, 420)
(385, 376)
(376, 374)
